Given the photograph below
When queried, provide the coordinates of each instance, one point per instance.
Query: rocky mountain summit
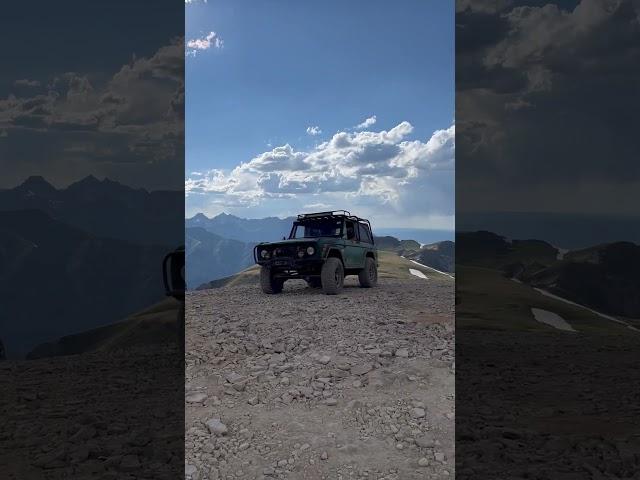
(306, 386)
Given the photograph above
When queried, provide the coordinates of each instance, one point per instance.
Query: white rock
(324, 359)
(417, 412)
(196, 397)
(216, 427)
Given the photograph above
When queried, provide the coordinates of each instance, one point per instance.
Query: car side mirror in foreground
(173, 273)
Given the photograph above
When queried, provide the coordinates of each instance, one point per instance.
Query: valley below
(302, 385)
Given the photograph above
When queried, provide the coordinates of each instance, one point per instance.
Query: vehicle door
(354, 251)
(365, 240)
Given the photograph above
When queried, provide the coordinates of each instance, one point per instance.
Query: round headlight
(311, 250)
(300, 253)
(264, 253)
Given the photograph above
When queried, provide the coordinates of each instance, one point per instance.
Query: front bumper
(292, 267)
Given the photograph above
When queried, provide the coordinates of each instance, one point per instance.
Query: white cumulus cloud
(313, 131)
(210, 40)
(366, 123)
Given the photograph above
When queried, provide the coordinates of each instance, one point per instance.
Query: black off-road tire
(314, 282)
(332, 276)
(368, 276)
(268, 283)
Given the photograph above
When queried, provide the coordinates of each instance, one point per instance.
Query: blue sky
(261, 75)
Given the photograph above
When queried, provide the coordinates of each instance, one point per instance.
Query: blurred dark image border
(91, 202)
(547, 243)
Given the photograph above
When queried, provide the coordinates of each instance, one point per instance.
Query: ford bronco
(322, 249)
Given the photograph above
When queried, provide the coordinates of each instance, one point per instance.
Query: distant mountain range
(271, 229)
(104, 208)
(420, 235)
(210, 256)
(248, 230)
(566, 230)
(603, 277)
(221, 246)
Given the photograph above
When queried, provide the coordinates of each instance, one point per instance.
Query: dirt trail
(307, 386)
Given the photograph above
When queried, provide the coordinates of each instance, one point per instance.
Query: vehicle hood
(293, 241)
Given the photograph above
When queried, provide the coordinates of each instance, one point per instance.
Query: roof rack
(332, 213)
(335, 213)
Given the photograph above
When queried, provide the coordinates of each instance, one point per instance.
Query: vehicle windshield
(317, 228)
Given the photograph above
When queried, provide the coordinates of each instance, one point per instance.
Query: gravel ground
(538, 405)
(100, 415)
(307, 386)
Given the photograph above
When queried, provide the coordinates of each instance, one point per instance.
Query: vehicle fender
(334, 250)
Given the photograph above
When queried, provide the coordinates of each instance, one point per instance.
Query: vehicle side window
(364, 233)
(351, 231)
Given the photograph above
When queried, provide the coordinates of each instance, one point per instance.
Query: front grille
(287, 251)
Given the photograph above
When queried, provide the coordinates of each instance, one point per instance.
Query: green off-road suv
(322, 249)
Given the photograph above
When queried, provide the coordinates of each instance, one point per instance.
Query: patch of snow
(603, 315)
(552, 319)
(418, 273)
(431, 268)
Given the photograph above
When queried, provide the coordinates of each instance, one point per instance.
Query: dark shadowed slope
(56, 279)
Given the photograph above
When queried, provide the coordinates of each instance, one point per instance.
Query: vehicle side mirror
(284, 238)
(173, 273)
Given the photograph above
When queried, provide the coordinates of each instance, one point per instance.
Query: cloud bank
(412, 181)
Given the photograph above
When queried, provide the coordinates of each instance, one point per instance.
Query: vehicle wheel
(268, 283)
(314, 282)
(368, 276)
(332, 276)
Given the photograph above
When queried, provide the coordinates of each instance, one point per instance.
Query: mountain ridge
(105, 208)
